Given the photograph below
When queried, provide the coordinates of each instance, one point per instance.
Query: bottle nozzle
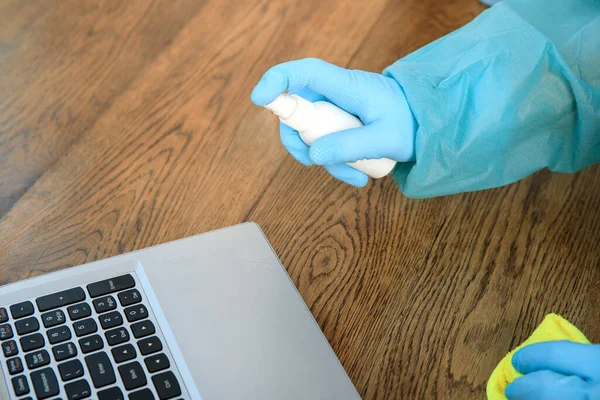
(283, 106)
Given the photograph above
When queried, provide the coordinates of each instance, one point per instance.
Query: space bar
(60, 299)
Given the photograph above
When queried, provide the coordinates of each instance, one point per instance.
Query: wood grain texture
(125, 124)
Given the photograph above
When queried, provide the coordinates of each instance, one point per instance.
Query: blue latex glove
(377, 100)
(556, 370)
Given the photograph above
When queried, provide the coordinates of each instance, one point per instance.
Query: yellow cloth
(553, 327)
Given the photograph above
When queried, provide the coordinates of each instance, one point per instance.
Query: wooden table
(125, 124)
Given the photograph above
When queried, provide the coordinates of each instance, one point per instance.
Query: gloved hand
(377, 100)
(556, 370)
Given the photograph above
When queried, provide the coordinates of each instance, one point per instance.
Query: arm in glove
(377, 100)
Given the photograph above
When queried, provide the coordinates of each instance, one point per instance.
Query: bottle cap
(283, 106)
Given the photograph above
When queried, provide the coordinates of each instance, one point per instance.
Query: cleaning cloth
(553, 327)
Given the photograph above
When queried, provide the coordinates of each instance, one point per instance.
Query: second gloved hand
(556, 370)
(389, 126)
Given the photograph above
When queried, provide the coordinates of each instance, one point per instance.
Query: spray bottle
(314, 120)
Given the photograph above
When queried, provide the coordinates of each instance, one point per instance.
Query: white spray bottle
(314, 120)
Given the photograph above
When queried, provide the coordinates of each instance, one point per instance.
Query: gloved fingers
(371, 141)
(299, 150)
(547, 385)
(563, 356)
(348, 174)
(294, 145)
(338, 84)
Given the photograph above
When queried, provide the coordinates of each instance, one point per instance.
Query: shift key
(111, 285)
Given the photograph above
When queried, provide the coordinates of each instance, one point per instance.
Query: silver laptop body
(214, 316)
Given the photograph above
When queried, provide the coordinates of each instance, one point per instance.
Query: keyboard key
(20, 385)
(135, 313)
(149, 345)
(27, 325)
(60, 299)
(130, 297)
(91, 343)
(78, 390)
(59, 334)
(124, 353)
(32, 342)
(21, 310)
(144, 394)
(10, 348)
(6, 332)
(37, 359)
(15, 365)
(166, 385)
(117, 336)
(85, 327)
(111, 320)
(157, 362)
(64, 351)
(45, 383)
(111, 285)
(79, 311)
(111, 394)
(132, 375)
(53, 318)
(104, 304)
(3, 315)
(70, 370)
(101, 369)
(143, 329)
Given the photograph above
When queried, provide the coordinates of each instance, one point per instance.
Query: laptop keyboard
(95, 342)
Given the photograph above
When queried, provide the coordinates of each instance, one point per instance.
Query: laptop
(214, 316)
